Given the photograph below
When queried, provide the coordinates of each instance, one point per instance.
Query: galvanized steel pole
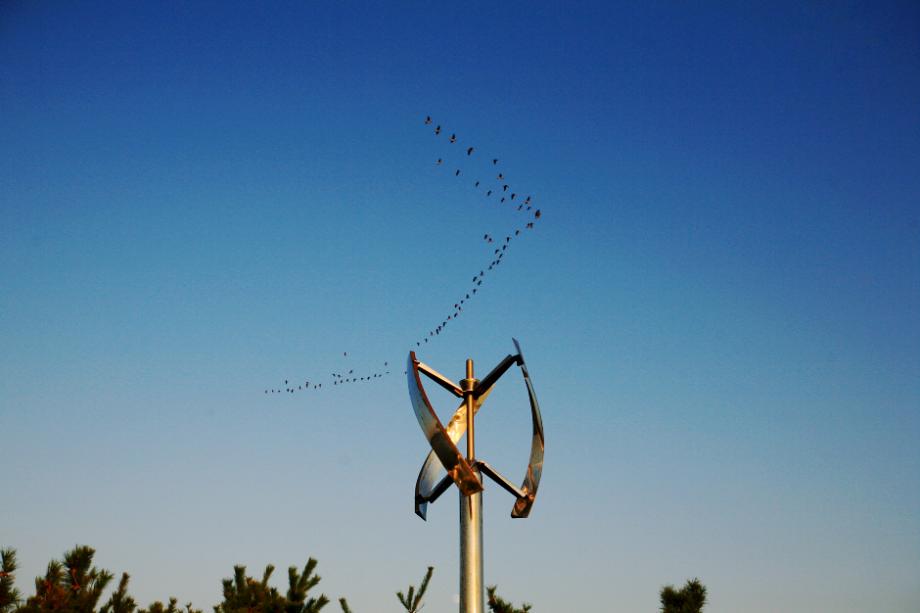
(472, 599)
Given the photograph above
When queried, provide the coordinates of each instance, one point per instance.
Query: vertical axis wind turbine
(466, 472)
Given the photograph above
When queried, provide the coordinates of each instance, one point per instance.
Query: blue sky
(719, 305)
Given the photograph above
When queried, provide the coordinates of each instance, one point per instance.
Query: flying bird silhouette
(428, 120)
(469, 151)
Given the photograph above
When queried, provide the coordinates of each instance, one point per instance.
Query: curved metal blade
(441, 444)
(430, 475)
(523, 505)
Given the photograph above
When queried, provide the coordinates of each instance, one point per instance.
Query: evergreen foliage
(412, 601)
(71, 586)
(74, 585)
(119, 601)
(244, 594)
(170, 607)
(497, 605)
(688, 599)
(9, 595)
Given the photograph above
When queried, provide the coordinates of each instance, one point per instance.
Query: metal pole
(472, 599)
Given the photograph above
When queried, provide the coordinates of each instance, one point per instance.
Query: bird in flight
(437, 130)
(457, 174)
(469, 151)
(537, 214)
(494, 161)
(453, 138)
(428, 120)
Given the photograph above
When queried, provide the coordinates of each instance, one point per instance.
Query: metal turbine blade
(535, 466)
(429, 484)
(447, 453)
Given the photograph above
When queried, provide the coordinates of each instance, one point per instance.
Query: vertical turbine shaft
(472, 599)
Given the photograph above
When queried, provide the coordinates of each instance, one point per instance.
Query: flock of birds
(338, 378)
(499, 187)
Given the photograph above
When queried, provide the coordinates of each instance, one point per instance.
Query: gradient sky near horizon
(720, 307)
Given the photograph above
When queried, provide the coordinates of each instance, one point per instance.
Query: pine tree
(73, 586)
(497, 605)
(688, 599)
(244, 594)
(120, 601)
(299, 585)
(9, 595)
(413, 601)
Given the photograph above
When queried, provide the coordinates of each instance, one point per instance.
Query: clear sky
(720, 305)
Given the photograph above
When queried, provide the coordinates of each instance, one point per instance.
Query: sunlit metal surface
(499, 478)
(443, 447)
(523, 504)
(440, 379)
(429, 477)
(430, 485)
(472, 598)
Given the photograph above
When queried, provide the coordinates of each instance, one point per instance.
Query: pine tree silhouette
(244, 594)
(9, 595)
(413, 601)
(73, 586)
(497, 605)
(119, 601)
(688, 599)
